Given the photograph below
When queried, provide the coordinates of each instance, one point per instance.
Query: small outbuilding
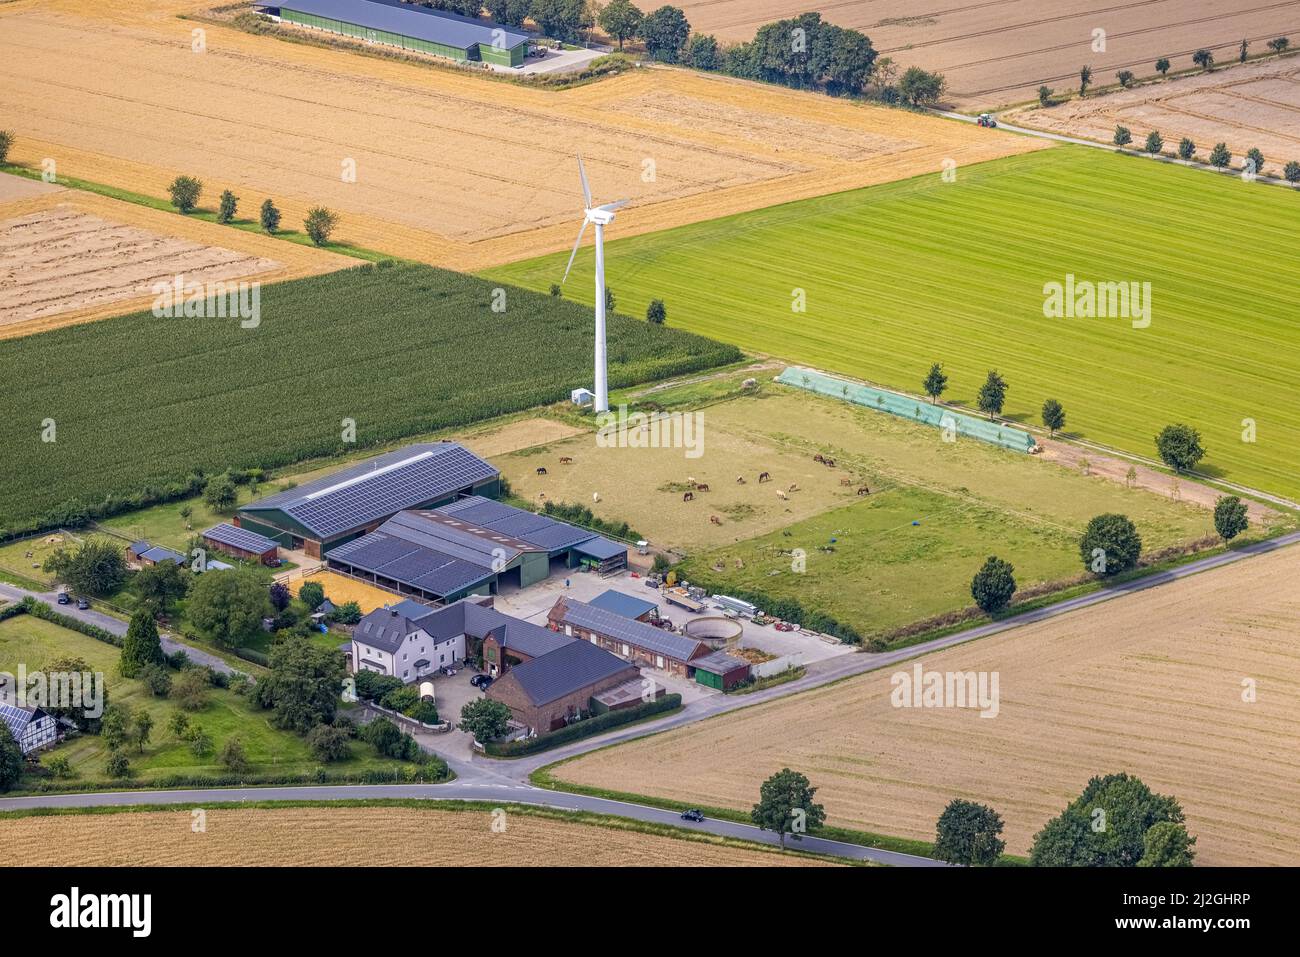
(628, 606)
(720, 670)
(241, 543)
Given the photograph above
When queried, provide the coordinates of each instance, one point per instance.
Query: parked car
(83, 604)
(783, 626)
(694, 815)
(63, 598)
(481, 681)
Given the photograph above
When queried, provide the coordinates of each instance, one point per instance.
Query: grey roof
(412, 565)
(242, 538)
(621, 603)
(158, 553)
(638, 633)
(577, 665)
(384, 629)
(447, 533)
(469, 618)
(379, 487)
(601, 548)
(408, 20)
(540, 531)
(719, 663)
(140, 546)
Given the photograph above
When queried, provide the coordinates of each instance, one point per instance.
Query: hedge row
(582, 729)
(431, 773)
(787, 609)
(38, 609)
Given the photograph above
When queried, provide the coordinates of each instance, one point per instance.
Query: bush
(372, 686)
(6, 144)
(232, 756)
(993, 585)
(190, 689)
(185, 192)
(582, 729)
(401, 699)
(311, 594)
(426, 712)
(117, 766)
(157, 680)
(1230, 517)
(320, 222)
(329, 743)
(1292, 172)
(1110, 545)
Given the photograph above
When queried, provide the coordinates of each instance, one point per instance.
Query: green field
(139, 403)
(34, 642)
(968, 500)
(900, 275)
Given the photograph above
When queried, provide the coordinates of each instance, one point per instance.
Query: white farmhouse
(400, 640)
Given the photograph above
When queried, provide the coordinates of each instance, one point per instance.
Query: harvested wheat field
(1151, 684)
(1001, 52)
(1253, 105)
(450, 167)
(331, 837)
(70, 257)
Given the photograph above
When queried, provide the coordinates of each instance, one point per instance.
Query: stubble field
(1001, 52)
(1153, 684)
(340, 836)
(451, 168)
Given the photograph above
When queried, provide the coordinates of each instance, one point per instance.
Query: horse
(863, 490)
(764, 477)
(541, 470)
(714, 520)
(688, 496)
(566, 460)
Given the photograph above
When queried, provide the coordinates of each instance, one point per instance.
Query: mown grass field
(900, 275)
(139, 402)
(35, 642)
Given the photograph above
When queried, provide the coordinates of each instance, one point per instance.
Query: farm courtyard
(1153, 684)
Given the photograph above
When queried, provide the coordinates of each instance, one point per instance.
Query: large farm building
(409, 27)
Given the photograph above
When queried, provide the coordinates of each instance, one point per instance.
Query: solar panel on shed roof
(242, 538)
(409, 20)
(540, 531)
(626, 629)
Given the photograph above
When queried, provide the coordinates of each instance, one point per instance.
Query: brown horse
(863, 490)
(764, 477)
(702, 487)
(714, 520)
(688, 496)
(566, 460)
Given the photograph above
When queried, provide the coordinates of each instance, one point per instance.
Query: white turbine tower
(600, 217)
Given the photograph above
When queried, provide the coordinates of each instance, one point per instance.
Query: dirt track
(1151, 684)
(1000, 51)
(451, 168)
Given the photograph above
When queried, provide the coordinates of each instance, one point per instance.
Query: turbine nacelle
(601, 215)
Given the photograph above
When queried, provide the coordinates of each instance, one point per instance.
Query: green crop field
(901, 275)
(136, 403)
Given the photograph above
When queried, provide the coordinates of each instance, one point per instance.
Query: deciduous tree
(967, 833)
(786, 806)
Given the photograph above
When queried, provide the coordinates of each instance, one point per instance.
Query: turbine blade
(586, 190)
(610, 207)
(576, 243)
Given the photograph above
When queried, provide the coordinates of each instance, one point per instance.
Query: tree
(117, 766)
(1180, 447)
(655, 312)
(228, 607)
(269, 217)
(220, 493)
(1186, 149)
(620, 19)
(157, 680)
(993, 585)
(320, 222)
(664, 32)
(1220, 157)
(485, 719)
(1106, 826)
(992, 394)
(160, 586)
(1122, 136)
(561, 19)
(141, 646)
(935, 382)
(1154, 143)
(311, 594)
(232, 756)
(610, 302)
(226, 208)
(178, 724)
(1085, 79)
(1125, 78)
(11, 759)
(1167, 845)
(279, 596)
(328, 743)
(1292, 172)
(6, 144)
(115, 727)
(920, 87)
(348, 613)
(1230, 517)
(1241, 54)
(200, 742)
(967, 833)
(1278, 45)
(1110, 544)
(141, 728)
(509, 12)
(702, 52)
(1204, 59)
(1044, 96)
(1053, 416)
(556, 291)
(185, 192)
(785, 805)
(1256, 157)
(389, 741)
(96, 567)
(303, 686)
(842, 59)
(190, 689)
(1162, 66)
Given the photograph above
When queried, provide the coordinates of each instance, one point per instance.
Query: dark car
(481, 681)
(83, 604)
(693, 815)
(63, 598)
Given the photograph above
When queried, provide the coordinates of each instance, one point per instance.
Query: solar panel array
(540, 531)
(17, 718)
(625, 629)
(241, 538)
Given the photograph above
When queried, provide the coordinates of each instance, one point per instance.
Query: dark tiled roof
(577, 665)
(621, 603)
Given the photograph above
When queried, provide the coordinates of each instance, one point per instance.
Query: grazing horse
(794, 487)
(566, 460)
(829, 463)
(714, 520)
(541, 471)
(846, 481)
(740, 480)
(819, 458)
(863, 490)
(764, 477)
(595, 496)
(702, 487)
(688, 496)
(782, 496)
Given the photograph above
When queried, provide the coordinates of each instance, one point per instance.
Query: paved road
(461, 791)
(116, 626)
(488, 779)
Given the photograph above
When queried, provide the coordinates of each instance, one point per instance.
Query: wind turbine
(600, 217)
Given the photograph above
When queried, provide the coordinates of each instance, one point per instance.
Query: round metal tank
(715, 631)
